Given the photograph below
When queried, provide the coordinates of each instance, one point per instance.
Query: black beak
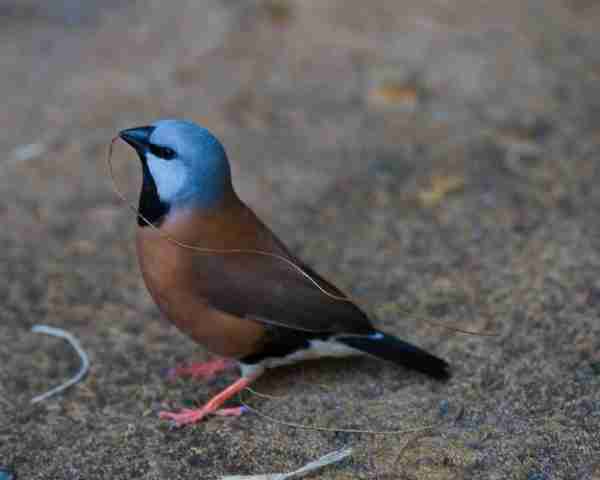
(138, 138)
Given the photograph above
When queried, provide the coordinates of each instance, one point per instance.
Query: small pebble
(444, 408)
(537, 476)
(7, 473)
(28, 152)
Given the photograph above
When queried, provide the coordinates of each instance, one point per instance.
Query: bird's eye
(165, 153)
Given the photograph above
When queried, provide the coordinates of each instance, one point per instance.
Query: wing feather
(271, 291)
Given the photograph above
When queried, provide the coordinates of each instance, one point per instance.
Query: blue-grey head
(183, 165)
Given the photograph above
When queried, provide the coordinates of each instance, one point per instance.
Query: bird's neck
(207, 196)
(189, 211)
(213, 228)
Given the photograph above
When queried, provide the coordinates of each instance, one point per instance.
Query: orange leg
(205, 370)
(186, 415)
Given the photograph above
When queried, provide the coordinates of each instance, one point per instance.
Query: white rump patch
(317, 349)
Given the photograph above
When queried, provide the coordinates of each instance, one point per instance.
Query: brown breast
(169, 273)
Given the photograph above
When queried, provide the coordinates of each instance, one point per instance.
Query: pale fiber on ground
(83, 357)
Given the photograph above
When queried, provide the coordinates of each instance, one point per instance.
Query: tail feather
(393, 349)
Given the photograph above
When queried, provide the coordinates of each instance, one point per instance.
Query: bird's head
(183, 165)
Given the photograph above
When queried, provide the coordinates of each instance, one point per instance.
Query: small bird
(250, 301)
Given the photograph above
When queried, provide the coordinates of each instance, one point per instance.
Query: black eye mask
(165, 153)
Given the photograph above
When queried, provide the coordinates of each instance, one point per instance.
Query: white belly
(316, 349)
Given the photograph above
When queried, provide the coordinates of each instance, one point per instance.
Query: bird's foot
(185, 416)
(188, 416)
(201, 370)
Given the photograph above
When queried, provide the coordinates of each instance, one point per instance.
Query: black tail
(393, 349)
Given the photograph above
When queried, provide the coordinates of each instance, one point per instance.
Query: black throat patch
(150, 207)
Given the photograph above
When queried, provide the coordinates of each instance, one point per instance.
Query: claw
(231, 412)
(188, 415)
(185, 417)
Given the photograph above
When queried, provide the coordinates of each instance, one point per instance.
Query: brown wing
(272, 291)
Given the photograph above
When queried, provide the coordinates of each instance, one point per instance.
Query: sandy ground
(436, 158)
